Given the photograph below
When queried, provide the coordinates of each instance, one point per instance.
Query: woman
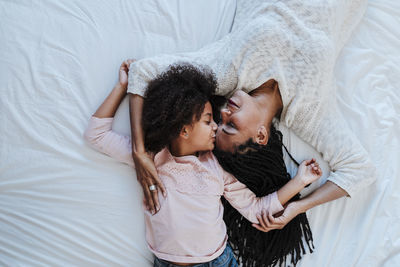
(189, 228)
(287, 52)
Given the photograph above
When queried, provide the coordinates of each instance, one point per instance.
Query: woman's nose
(225, 113)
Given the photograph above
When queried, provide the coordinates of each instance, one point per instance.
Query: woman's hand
(268, 222)
(123, 73)
(308, 172)
(147, 176)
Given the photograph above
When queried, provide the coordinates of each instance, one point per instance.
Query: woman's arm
(327, 192)
(145, 169)
(145, 70)
(351, 168)
(142, 72)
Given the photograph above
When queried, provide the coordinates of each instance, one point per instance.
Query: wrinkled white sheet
(62, 203)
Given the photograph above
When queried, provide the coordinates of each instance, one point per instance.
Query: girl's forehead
(207, 109)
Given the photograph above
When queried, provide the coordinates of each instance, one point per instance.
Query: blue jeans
(226, 259)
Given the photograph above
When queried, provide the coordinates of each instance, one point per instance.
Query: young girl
(179, 127)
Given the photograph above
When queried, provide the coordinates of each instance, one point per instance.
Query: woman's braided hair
(262, 169)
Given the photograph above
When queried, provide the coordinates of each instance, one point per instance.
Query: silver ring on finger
(152, 187)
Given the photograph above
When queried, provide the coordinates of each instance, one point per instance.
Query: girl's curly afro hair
(173, 99)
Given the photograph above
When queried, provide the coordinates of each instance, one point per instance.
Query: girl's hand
(123, 73)
(308, 172)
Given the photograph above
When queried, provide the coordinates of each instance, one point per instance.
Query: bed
(64, 204)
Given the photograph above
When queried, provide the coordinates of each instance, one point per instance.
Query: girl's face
(201, 136)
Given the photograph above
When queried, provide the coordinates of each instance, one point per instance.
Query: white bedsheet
(64, 204)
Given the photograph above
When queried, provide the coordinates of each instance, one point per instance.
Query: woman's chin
(221, 146)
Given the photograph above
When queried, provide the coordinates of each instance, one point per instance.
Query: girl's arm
(99, 132)
(100, 136)
(308, 172)
(251, 207)
(108, 108)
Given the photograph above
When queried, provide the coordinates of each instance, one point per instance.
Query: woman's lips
(232, 103)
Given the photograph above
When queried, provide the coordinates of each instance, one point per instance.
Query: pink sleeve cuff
(275, 204)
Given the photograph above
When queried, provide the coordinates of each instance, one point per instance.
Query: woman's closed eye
(231, 124)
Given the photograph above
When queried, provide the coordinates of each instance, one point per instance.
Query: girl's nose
(214, 125)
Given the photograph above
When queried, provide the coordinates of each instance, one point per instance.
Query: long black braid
(262, 169)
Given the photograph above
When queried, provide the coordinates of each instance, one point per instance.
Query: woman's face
(202, 132)
(240, 120)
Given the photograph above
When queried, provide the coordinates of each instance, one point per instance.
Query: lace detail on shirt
(191, 177)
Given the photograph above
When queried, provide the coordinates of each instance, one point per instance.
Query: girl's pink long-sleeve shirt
(189, 226)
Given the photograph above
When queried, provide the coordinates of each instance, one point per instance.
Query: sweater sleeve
(310, 108)
(255, 50)
(346, 15)
(246, 202)
(321, 124)
(215, 57)
(101, 137)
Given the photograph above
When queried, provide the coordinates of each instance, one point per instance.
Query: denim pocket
(226, 259)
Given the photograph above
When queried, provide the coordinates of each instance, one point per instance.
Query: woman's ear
(262, 135)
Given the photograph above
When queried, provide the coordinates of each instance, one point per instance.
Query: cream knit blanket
(296, 43)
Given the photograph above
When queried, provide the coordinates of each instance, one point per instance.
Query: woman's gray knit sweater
(296, 43)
